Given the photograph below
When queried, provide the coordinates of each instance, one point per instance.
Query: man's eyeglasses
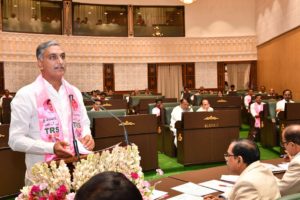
(282, 144)
(226, 155)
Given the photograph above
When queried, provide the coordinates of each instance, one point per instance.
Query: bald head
(292, 134)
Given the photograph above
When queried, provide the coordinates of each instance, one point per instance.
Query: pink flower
(34, 190)
(146, 184)
(70, 196)
(134, 175)
(61, 192)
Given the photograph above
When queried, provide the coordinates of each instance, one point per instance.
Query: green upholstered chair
(290, 197)
(88, 108)
(195, 108)
(104, 113)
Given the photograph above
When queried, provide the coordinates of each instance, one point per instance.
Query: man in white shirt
(176, 115)
(96, 105)
(255, 180)
(205, 106)
(32, 130)
(157, 109)
(287, 98)
(290, 182)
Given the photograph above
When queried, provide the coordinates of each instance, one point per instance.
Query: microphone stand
(73, 133)
(114, 116)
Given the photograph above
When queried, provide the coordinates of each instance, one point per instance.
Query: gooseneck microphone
(73, 133)
(114, 116)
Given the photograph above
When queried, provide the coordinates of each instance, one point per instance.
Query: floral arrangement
(54, 181)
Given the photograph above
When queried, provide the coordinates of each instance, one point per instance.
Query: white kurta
(24, 132)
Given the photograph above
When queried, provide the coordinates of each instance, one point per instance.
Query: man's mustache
(59, 67)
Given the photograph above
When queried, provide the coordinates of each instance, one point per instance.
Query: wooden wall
(278, 63)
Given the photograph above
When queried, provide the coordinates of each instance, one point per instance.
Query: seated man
(157, 109)
(96, 105)
(205, 106)
(287, 98)
(176, 115)
(272, 93)
(5, 96)
(232, 89)
(262, 90)
(108, 186)
(255, 181)
(255, 109)
(290, 182)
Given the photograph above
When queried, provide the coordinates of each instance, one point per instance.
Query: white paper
(156, 194)
(193, 189)
(273, 168)
(217, 185)
(229, 178)
(82, 149)
(284, 166)
(185, 197)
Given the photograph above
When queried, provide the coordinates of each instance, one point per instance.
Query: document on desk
(229, 178)
(185, 197)
(284, 165)
(157, 194)
(217, 185)
(193, 189)
(275, 169)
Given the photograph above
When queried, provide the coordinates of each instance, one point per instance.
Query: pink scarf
(49, 121)
(258, 108)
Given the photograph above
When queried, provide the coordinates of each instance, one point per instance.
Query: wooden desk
(165, 184)
(199, 176)
(12, 167)
(203, 137)
(142, 130)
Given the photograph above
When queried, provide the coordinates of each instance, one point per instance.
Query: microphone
(73, 133)
(114, 116)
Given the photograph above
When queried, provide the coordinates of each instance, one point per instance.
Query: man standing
(255, 180)
(255, 109)
(41, 136)
(290, 182)
(176, 115)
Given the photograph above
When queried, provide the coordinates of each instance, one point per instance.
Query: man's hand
(88, 142)
(61, 149)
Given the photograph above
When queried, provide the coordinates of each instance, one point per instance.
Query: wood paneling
(188, 75)
(279, 63)
(1, 77)
(152, 77)
(108, 77)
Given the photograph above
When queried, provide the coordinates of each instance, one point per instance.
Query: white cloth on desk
(24, 132)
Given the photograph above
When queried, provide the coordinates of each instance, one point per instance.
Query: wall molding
(21, 47)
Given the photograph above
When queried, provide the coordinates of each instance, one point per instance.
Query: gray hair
(43, 46)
